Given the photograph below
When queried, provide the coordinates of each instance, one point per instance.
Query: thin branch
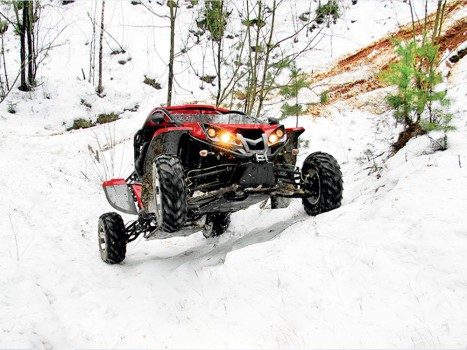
(15, 236)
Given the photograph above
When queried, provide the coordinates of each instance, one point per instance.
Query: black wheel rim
(157, 195)
(312, 186)
(102, 241)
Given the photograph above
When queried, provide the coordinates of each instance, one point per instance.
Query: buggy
(195, 165)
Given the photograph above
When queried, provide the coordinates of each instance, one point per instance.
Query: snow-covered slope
(385, 270)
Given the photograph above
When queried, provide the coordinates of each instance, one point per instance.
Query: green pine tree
(297, 81)
(417, 103)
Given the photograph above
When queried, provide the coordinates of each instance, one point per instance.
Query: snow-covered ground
(385, 270)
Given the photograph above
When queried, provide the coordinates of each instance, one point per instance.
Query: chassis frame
(290, 184)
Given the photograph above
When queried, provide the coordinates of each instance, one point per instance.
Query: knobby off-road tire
(216, 224)
(169, 193)
(112, 238)
(323, 177)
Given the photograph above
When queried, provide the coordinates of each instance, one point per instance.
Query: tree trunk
(250, 59)
(7, 84)
(255, 68)
(100, 89)
(262, 91)
(29, 24)
(219, 76)
(219, 53)
(173, 17)
(22, 51)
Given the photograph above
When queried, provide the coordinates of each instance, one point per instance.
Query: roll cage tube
(168, 115)
(219, 112)
(245, 115)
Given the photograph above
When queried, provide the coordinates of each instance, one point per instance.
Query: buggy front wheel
(169, 197)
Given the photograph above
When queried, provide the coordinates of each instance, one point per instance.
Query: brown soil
(454, 34)
(406, 135)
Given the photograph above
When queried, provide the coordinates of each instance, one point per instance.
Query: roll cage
(195, 114)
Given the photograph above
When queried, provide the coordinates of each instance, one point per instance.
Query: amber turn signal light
(212, 132)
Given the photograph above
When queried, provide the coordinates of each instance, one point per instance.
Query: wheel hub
(157, 195)
(313, 186)
(102, 241)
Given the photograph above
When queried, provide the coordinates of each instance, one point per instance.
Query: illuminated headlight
(226, 137)
(273, 138)
(276, 136)
(223, 137)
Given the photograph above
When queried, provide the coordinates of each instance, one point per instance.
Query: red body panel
(114, 182)
(300, 128)
(233, 127)
(137, 191)
(197, 131)
(174, 128)
(195, 128)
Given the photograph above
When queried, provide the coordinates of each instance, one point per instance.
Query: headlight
(223, 137)
(276, 136)
(226, 137)
(273, 138)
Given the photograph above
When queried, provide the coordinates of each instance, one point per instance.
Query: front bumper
(254, 174)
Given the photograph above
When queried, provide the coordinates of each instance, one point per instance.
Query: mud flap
(119, 196)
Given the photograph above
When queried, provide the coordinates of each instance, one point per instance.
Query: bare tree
(174, 7)
(4, 82)
(100, 89)
(215, 20)
(173, 10)
(213, 25)
(266, 53)
(92, 45)
(29, 23)
(26, 14)
(24, 17)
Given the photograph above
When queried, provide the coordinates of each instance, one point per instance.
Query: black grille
(253, 134)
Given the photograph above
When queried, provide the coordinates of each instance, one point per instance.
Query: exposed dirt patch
(454, 36)
(406, 135)
(349, 90)
(379, 55)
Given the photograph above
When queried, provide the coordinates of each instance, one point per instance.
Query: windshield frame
(230, 117)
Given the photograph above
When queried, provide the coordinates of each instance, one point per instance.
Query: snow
(385, 270)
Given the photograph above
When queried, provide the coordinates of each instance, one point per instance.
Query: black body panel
(255, 174)
(228, 203)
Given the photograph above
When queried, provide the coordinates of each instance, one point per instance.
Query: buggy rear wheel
(216, 224)
(279, 202)
(112, 238)
(323, 180)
